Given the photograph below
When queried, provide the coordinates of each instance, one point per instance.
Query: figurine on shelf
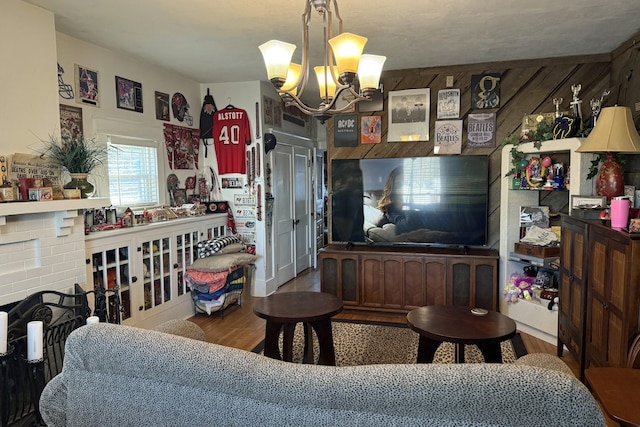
(557, 102)
(596, 107)
(558, 176)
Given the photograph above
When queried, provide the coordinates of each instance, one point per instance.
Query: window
(133, 172)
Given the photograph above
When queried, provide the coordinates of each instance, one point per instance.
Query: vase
(79, 181)
(610, 179)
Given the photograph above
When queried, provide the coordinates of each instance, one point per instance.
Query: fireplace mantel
(64, 210)
(24, 208)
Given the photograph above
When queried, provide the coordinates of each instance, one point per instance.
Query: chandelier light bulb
(277, 57)
(369, 71)
(347, 50)
(293, 74)
(326, 83)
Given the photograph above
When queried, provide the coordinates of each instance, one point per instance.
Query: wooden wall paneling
(527, 87)
(625, 72)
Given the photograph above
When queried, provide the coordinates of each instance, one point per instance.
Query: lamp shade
(290, 84)
(326, 84)
(369, 71)
(614, 132)
(277, 57)
(347, 50)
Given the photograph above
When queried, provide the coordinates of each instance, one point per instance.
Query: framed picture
(179, 196)
(370, 129)
(448, 137)
(128, 94)
(485, 91)
(448, 104)
(345, 131)
(70, 122)
(630, 192)
(481, 130)
(409, 115)
(162, 106)
(87, 86)
(588, 202)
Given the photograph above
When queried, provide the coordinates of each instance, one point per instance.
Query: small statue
(557, 102)
(596, 106)
(576, 103)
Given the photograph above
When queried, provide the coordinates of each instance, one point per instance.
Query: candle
(4, 331)
(92, 319)
(35, 341)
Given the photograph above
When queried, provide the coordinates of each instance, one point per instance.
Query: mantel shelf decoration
(79, 156)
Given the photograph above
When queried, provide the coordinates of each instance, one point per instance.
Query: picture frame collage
(87, 90)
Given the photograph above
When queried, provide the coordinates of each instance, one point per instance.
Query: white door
(302, 210)
(284, 213)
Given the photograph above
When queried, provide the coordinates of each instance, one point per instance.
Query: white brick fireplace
(42, 246)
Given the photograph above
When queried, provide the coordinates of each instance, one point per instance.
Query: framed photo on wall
(87, 86)
(70, 122)
(408, 112)
(485, 91)
(162, 106)
(588, 202)
(128, 94)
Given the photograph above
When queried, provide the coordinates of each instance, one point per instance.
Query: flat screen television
(435, 200)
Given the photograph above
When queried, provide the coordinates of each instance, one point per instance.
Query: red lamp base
(610, 179)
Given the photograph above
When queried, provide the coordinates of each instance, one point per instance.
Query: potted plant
(77, 155)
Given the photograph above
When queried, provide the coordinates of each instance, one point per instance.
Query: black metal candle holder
(4, 382)
(37, 382)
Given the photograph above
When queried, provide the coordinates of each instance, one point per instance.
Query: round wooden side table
(283, 311)
(457, 324)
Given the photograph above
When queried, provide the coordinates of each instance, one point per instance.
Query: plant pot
(79, 181)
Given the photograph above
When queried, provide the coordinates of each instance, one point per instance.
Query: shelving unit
(532, 317)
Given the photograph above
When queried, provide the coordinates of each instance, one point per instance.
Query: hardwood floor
(239, 327)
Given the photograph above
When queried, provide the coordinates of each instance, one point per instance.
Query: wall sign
(345, 131)
(485, 91)
(481, 130)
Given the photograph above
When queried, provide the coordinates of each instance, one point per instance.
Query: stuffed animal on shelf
(511, 292)
(519, 286)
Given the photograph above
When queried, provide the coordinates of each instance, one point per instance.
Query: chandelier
(346, 73)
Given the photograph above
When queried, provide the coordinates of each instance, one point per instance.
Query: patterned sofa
(124, 376)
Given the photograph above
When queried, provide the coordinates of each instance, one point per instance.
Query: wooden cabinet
(401, 279)
(599, 293)
(613, 297)
(339, 275)
(573, 290)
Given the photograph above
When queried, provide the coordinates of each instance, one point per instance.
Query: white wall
(29, 106)
(110, 120)
(245, 95)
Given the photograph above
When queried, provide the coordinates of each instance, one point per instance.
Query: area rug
(368, 343)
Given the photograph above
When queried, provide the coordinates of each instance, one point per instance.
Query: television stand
(401, 278)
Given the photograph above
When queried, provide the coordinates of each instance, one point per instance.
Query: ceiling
(216, 41)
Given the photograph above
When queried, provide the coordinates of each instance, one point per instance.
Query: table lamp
(613, 133)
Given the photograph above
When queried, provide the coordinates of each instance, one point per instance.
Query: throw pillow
(222, 262)
(213, 246)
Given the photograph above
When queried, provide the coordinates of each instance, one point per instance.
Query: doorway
(292, 211)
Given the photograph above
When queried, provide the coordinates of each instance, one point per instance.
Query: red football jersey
(231, 135)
